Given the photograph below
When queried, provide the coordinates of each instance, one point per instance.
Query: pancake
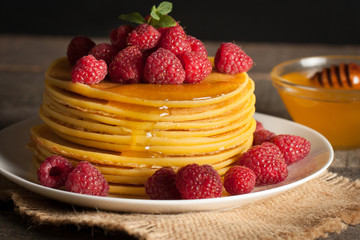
(78, 123)
(44, 137)
(130, 131)
(58, 74)
(148, 113)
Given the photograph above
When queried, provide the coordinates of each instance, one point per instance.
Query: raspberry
(275, 149)
(261, 136)
(231, 59)
(196, 182)
(259, 126)
(239, 180)
(196, 45)
(161, 185)
(87, 179)
(89, 70)
(144, 37)
(54, 171)
(268, 165)
(197, 66)
(78, 47)
(104, 51)
(118, 36)
(175, 40)
(293, 147)
(163, 67)
(127, 66)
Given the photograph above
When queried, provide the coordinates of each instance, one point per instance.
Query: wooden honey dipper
(339, 76)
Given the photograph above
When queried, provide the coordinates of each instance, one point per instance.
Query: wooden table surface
(23, 60)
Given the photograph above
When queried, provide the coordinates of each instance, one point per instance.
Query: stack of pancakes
(130, 131)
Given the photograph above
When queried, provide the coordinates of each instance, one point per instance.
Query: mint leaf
(158, 16)
(154, 14)
(164, 21)
(134, 17)
(164, 8)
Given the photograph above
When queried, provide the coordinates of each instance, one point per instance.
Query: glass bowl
(334, 112)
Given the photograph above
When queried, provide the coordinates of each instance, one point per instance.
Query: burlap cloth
(329, 203)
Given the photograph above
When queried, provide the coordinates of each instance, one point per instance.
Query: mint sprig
(134, 17)
(159, 17)
(164, 8)
(163, 22)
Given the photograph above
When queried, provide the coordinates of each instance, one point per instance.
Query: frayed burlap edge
(327, 204)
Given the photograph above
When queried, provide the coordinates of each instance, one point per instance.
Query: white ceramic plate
(16, 164)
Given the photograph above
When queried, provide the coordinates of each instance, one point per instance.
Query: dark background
(291, 21)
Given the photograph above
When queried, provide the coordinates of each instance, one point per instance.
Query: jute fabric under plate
(323, 205)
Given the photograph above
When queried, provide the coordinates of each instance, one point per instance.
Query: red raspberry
(163, 67)
(259, 126)
(276, 150)
(196, 45)
(54, 171)
(261, 136)
(239, 180)
(293, 147)
(196, 182)
(197, 66)
(78, 47)
(161, 185)
(87, 179)
(231, 59)
(104, 51)
(127, 66)
(89, 70)
(118, 36)
(144, 37)
(267, 164)
(175, 40)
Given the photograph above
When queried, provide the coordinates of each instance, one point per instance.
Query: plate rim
(162, 206)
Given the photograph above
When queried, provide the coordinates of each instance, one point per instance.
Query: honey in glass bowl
(332, 111)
